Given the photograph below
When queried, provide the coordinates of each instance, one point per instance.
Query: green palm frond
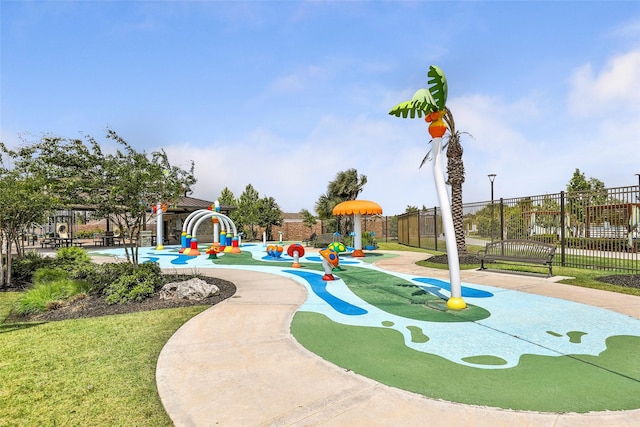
(421, 103)
(425, 101)
(438, 86)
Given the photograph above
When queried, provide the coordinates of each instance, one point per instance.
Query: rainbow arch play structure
(223, 226)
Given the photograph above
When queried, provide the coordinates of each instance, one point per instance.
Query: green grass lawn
(98, 371)
(393, 246)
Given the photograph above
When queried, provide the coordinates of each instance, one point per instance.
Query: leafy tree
(268, 214)
(548, 215)
(227, 198)
(132, 182)
(393, 227)
(411, 209)
(482, 219)
(24, 199)
(582, 193)
(122, 186)
(514, 224)
(246, 216)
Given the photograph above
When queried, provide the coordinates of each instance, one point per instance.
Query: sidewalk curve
(236, 364)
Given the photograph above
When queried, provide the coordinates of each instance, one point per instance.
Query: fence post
(501, 218)
(418, 223)
(386, 228)
(562, 228)
(406, 226)
(435, 227)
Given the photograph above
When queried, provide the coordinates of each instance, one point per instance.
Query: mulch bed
(94, 305)
(625, 280)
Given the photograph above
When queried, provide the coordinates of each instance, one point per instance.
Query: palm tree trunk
(455, 175)
(458, 217)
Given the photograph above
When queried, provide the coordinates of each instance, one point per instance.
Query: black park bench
(518, 251)
(323, 240)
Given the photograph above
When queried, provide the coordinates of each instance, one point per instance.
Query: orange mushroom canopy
(353, 207)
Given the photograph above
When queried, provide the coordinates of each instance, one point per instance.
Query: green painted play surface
(539, 383)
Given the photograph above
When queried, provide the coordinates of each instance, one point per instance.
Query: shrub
(41, 296)
(600, 244)
(99, 276)
(22, 268)
(545, 238)
(89, 234)
(43, 275)
(72, 255)
(139, 285)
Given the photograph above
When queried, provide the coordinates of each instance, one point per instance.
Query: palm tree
(347, 185)
(432, 103)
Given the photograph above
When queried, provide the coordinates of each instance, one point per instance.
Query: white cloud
(615, 88)
(628, 30)
(297, 173)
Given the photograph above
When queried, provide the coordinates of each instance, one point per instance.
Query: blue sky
(284, 95)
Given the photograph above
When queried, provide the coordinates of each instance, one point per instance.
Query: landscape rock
(192, 289)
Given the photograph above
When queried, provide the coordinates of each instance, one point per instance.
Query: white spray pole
(449, 233)
(159, 239)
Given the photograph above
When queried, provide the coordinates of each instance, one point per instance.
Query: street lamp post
(492, 176)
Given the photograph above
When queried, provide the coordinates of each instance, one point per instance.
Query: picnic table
(58, 242)
(106, 240)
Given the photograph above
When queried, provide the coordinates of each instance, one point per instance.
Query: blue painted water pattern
(466, 291)
(319, 287)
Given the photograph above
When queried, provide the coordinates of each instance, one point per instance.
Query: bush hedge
(72, 273)
(144, 281)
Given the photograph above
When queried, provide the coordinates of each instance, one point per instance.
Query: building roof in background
(292, 217)
(189, 204)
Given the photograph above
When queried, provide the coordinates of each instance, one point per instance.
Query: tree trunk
(2, 282)
(455, 173)
(8, 263)
(19, 244)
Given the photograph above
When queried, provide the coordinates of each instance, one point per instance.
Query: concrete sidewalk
(236, 364)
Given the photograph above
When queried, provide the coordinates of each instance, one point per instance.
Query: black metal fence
(593, 229)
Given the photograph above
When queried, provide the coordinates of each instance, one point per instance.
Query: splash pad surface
(509, 350)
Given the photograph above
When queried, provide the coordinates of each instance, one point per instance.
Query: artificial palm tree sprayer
(432, 103)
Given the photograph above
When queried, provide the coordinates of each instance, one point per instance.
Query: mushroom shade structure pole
(357, 208)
